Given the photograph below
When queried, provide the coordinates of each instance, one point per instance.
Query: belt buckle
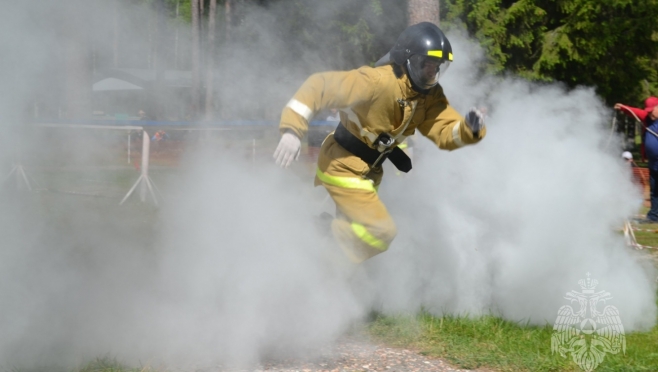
(382, 154)
(383, 142)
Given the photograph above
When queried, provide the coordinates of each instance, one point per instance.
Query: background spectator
(649, 118)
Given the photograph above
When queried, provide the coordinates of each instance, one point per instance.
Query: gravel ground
(352, 355)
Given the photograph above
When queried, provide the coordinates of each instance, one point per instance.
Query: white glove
(475, 120)
(288, 149)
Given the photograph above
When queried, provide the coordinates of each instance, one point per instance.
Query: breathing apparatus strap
(371, 156)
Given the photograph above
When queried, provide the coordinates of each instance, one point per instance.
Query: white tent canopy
(114, 84)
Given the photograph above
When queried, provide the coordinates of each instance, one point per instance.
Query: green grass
(105, 364)
(109, 365)
(649, 238)
(491, 343)
(473, 342)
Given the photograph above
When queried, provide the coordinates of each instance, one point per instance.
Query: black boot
(323, 223)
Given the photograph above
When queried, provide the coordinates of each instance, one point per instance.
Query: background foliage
(609, 44)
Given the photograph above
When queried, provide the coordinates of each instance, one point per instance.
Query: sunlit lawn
(490, 343)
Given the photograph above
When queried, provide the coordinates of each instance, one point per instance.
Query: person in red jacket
(649, 118)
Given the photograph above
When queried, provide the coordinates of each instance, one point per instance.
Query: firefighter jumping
(379, 107)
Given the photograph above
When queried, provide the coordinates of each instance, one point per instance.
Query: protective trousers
(363, 227)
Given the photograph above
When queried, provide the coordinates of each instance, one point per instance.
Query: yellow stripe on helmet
(438, 53)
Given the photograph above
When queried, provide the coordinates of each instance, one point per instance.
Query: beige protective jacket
(374, 101)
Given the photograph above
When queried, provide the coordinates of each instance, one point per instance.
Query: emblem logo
(588, 334)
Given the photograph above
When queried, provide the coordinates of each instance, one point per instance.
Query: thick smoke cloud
(510, 225)
(231, 270)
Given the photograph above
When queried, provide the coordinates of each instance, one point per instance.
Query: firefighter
(379, 107)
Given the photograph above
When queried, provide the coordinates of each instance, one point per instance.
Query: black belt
(372, 157)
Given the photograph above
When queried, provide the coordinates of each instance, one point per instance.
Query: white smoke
(511, 224)
(231, 269)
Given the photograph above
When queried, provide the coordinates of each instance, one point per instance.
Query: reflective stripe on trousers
(346, 182)
(374, 243)
(368, 238)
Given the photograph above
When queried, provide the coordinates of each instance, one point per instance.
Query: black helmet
(419, 46)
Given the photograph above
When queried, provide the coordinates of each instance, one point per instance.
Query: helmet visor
(425, 70)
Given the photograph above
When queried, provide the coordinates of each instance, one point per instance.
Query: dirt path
(351, 355)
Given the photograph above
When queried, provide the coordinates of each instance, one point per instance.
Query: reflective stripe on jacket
(374, 101)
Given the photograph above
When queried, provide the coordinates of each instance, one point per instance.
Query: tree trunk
(158, 95)
(210, 65)
(423, 11)
(77, 52)
(176, 35)
(202, 43)
(227, 20)
(194, 109)
(149, 33)
(115, 35)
